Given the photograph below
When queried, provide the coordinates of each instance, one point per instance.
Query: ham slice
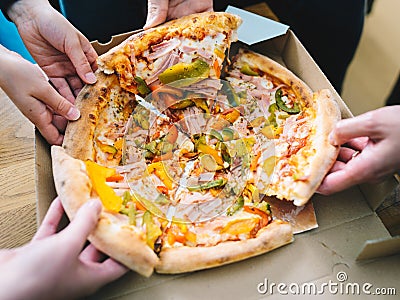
(163, 48)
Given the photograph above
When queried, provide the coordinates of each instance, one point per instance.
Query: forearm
(23, 10)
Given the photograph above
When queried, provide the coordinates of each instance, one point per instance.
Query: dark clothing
(330, 31)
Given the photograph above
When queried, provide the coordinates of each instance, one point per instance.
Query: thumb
(157, 13)
(83, 224)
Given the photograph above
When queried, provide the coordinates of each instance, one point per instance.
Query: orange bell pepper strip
(217, 69)
(266, 218)
(114, 178)
(254, 162)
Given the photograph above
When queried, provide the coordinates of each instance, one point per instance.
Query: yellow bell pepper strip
(269, 165)
(152, 230)
(240, 226)
(107, 148)
(214, 153)
(98, 175)
(186, 74)
(202, 104)
(159, 169)
(231, 115)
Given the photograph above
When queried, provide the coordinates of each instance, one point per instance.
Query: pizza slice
(292, 122)
(190, 49)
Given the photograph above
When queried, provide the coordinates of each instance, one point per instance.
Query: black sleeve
(5, 5)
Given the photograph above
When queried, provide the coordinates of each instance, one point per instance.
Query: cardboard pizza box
(350, 253)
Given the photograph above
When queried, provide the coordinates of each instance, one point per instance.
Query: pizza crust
(327, 115)
(112, 235)
(195, 26)
(92, 99)
(188, 259)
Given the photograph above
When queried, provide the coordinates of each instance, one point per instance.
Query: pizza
(183, 152)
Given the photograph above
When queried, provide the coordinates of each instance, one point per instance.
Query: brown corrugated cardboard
(347, 222)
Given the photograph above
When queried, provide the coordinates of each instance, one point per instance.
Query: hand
(59, 48)
(30, 91)
(370, 151)
(161, 10)
(53, 265)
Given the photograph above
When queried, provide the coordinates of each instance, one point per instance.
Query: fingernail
(149, 22)
(73, 114)
(94, 204)
(90, 77)
(332, 139)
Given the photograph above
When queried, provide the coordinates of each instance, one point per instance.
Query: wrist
(20, 10)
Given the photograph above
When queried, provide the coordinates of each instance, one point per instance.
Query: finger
(79, 59)
(60, 123)
(83, 224)
(358, 143)
(345, 154)
(90, 253)
(354, 172)
(364, 125)
(89, 51)
(75, 84)
(58, 103)
(51, 220)
(107, 271)
(338, 165)
(62, 86)
(43, 123)
(156, 13)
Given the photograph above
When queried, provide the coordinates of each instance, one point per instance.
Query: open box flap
(256, 28)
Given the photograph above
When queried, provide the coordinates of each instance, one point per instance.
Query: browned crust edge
(327, 115)
(111, 237)
(191, 26)
(78, 139)
(188, 259)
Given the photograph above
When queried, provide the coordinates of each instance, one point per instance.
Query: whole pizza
(182, 145)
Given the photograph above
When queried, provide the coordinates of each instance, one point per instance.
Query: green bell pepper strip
(290, 110)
